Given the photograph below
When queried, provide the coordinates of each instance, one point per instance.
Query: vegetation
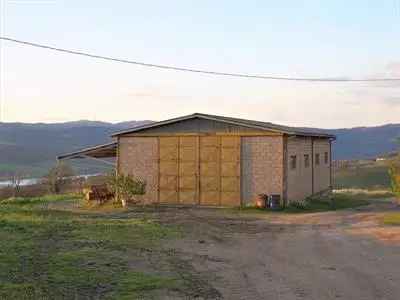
(394, 173)
(392, 219)
(334, 202)
(126, 187)
(363, 177)
(55, 254)
(57, 177)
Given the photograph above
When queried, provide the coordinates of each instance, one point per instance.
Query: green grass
(363, 177)
(50, 254)
(392, 219)
(337, 201)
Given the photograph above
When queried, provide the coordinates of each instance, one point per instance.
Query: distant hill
(365, 142)
(32, 148)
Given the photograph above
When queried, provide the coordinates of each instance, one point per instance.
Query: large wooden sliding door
(188, 170)
(230, 171)
(220, 170)
(210, 183)
(168, 170)
(201, 170)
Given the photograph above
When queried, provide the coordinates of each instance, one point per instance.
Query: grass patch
(363, 177)
(392, 219)
(334, 202)
(50, 254)
(338, 200)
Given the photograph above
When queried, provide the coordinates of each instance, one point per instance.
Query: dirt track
(334, 255)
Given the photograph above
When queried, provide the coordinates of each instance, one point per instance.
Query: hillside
(32, 148)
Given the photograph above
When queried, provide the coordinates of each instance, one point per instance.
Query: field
(54, 254)
(56, 247)
(369, 177)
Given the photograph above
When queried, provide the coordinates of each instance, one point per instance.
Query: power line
(166, 67)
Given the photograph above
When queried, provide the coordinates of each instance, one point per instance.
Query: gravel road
(333, 255)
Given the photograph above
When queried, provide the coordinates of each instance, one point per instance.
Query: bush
(126, 187)
(394, 172)
(58, 177)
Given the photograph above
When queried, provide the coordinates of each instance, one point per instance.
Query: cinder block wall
(321, 171)
(261, 166)
(138, 156)
(299, 180)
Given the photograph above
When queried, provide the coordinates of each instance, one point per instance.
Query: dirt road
(334, 255)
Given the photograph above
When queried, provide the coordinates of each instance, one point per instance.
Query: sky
(352, 39)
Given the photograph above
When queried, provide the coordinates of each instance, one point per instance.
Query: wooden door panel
(210, 198)
(188, 141)
(168, 182)
(230, 184)
(230, 169)
(230, 198)
(209, 184)
(230, 155)
(168, 196)
(188, 197)
(209, 141)
(168, 168)
(209, 154)
(188, 183)
(230, 142)
(187, 154)
(169, 141)
(209, 169)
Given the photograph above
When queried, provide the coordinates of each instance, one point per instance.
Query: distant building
(204, 159)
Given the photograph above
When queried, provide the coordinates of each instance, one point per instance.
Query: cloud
(391, 70)
(392, 101)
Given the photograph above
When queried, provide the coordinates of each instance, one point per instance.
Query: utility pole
(2, 61)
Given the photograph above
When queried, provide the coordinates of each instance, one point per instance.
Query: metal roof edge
(223, 120)
(79, 152)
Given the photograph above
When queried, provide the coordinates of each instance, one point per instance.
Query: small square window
(326, 157)
(306, 160)
(317, 159)
(293, 162)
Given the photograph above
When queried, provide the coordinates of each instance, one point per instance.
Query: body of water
(32, 181)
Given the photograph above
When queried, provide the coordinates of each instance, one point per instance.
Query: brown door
(188, 170)
(168, 177)
(230, 171)
(220, 170)
(210, 149)
(201, 170)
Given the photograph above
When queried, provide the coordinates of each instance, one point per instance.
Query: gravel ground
(332, 255)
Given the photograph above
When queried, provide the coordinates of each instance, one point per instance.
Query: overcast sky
(357, 39)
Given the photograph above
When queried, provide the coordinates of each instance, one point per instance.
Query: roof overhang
(101, 151)
(232, 121)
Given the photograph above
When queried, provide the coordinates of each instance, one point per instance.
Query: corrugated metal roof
(234, 121)
(100, 151)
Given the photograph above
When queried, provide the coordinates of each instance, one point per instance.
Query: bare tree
(15, 183)
(58, 176)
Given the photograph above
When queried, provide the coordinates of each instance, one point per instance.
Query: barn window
(326, 157)
(317, 159)
(306, 160)
(293, 162)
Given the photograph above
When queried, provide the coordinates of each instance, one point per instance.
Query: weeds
(46, 254)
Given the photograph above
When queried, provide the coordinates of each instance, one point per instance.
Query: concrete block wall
(261, 166)
(299, 179)
(321, 171)
(138, 156)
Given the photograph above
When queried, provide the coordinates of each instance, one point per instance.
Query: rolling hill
(32, 148)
